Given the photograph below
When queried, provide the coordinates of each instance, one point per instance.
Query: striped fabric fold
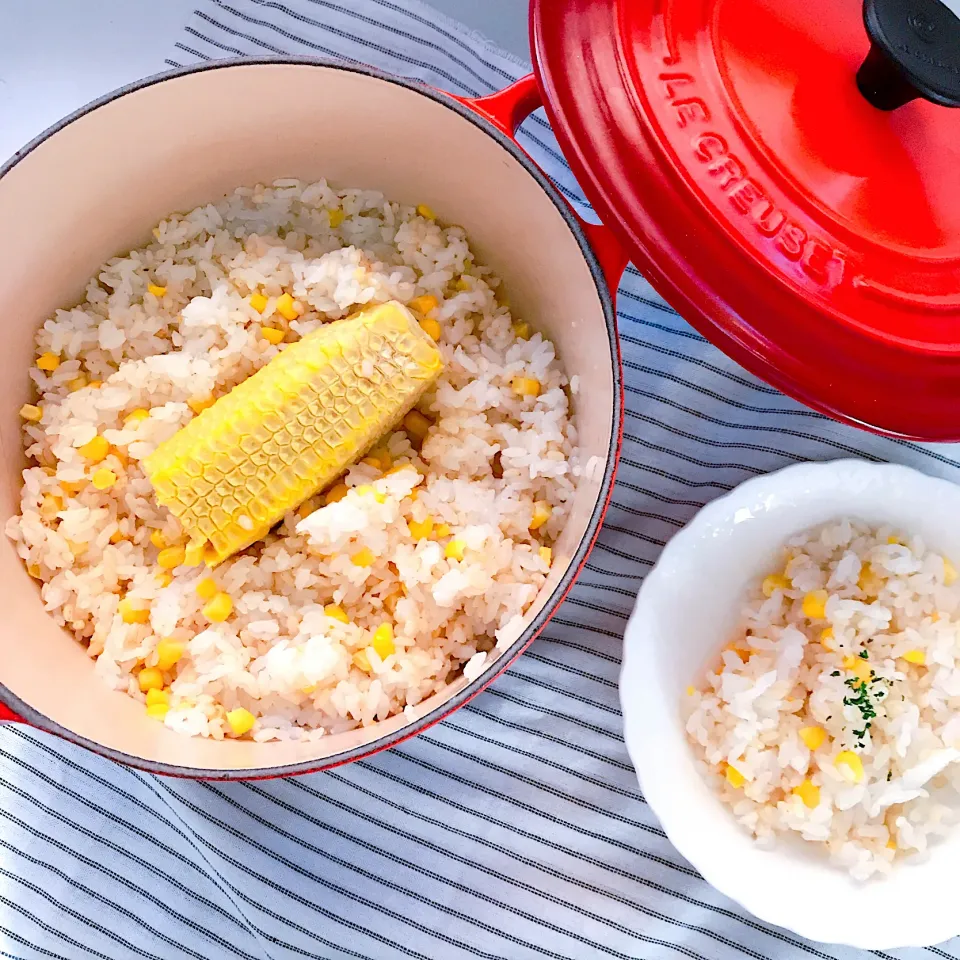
(514, 830)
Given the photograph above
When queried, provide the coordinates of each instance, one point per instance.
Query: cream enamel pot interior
(94, 185)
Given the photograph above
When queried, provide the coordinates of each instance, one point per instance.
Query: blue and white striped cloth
(512, 831)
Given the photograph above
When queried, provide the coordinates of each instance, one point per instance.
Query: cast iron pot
(92, 186)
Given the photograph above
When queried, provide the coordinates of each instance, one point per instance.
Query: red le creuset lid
(787, 174)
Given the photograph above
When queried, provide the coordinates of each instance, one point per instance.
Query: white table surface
(56, 55)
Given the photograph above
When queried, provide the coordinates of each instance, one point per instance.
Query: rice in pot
(415, 565)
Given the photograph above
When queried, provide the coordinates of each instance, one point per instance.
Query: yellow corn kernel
(157, 695)
(156, 290)
(809, 793)
(859, 667)
(34, 570)
(462, 284)
(383, 641)
(150, 678)
(132, 612)
(95, 450)
(416, 424)
(868, 581)
(431, 327)
(361, 661)
(165, 578)
(734, 777)
(541, 514)
(915, 656)
(336, 216)
(861, 670)
(336, 612)
(158, 539)
(306, 508)
(364, 557)
(546, 555)
(103, 479)
(382, 455)
(72, 488)
(272, 335)
(219, 608)
(77, 383)
(171, 557)
(158, 711)
(815, 605)
(892, 540)
(521, 330)
(849, 765)
(30, 412)
(776, 581)
(454, 550)
(50, 506)
(420, 529)
(48, 361)
(135, 417)
(424, 304)
(949, 572)
(441, 530)
(426, 212)
(241, 721)
(335, 494)
(95, 384)
(372, 462)
(199, 404)
(169, 652)
(368, 490)
(691, 691)
(207, 588)
(813, 737)
(826, 638)
(525, 386)
(195, 553)
(285, 307)
(259, 302)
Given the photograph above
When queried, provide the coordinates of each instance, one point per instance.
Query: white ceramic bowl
(684, 614)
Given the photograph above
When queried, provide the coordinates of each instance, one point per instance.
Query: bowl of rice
(162, 252)
(797, 728)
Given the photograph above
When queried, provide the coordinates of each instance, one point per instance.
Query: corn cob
(283, 434)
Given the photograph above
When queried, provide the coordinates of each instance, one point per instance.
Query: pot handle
(506, 110)
(8, 716)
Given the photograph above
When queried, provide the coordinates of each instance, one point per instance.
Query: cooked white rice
(876, 671)
(489, 456)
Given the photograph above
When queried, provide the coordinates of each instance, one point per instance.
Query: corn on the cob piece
(280, 436)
